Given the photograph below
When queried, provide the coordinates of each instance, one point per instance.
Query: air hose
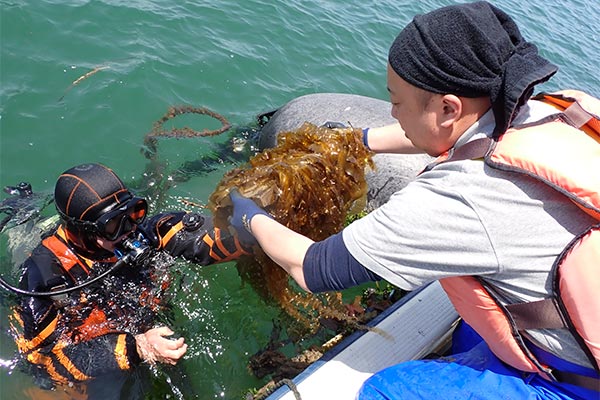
(135, 252)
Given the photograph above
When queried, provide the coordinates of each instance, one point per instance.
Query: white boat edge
(417, 325)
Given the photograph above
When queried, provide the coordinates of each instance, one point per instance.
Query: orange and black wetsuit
(90, 332)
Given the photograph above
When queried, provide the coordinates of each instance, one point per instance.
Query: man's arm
(390, 139)
(284, 246)
(315, 266)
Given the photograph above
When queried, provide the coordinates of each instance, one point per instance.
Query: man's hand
(244, 209)
(153, 346)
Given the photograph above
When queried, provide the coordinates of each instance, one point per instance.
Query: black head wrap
(471, 50)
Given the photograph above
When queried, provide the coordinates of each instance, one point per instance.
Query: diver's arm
(43, 333)
(193, 237)
(390, 139)
(38, 315)
(284, 246)
(97, 356)
(112, 352)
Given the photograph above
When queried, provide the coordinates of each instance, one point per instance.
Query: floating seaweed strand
(158, 130)
(81, 78)
(156, 171)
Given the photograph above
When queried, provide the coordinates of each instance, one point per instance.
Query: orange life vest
(74, 266)
(77, 268)
(563, 151)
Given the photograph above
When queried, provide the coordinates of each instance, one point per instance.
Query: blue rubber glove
(365, 132)
(244, 210)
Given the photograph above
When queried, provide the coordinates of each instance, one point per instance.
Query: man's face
(417, 113)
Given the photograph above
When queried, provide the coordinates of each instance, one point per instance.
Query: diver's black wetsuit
(90, 332)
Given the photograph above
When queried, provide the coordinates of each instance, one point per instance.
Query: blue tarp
(472, 372)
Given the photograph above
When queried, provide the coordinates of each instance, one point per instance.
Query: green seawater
(238, 58)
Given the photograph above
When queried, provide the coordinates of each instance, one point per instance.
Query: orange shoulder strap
(70, 262)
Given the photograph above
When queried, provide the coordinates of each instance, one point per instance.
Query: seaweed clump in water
(309, 182)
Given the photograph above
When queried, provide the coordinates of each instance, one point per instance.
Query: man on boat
(510, 230)
(108, 325)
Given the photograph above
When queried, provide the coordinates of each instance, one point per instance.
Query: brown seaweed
(309, 182)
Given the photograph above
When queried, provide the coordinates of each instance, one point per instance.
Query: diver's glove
(340, 125)
(334, 125)
(244, 209)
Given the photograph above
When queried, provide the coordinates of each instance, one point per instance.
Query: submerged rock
(392, 171)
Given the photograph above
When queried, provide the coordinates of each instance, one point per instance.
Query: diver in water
(110, 325)
(22, 206)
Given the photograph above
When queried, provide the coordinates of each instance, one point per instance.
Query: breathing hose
(136, 251)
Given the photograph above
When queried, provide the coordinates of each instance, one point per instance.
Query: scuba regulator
(133, 250)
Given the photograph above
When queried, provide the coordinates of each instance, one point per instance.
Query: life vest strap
(472, 150)
(541, 314)
(578, 380)
(577, 115)
(565, 371)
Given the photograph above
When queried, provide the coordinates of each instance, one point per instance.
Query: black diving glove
(334, 125)
(340, 125)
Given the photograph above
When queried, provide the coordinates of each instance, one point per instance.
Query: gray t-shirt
(465, 218)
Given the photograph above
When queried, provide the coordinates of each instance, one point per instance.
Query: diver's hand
(244, 209)
(153, 346)
(334, 125)
(340, 125)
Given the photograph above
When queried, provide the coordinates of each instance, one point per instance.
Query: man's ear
(452, 109)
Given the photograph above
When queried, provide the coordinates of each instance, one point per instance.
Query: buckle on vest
(60, 300)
